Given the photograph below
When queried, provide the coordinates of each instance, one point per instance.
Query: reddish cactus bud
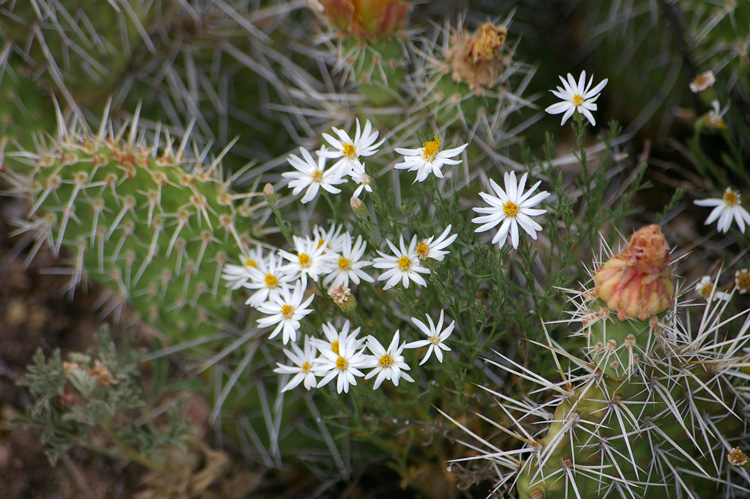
(637, 283)
(367, 19)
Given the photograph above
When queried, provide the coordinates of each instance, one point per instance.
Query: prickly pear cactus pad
(139, 216)
(653, 406)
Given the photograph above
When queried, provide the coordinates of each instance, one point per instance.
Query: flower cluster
(343, 355)
(311, 175)
(331, 257)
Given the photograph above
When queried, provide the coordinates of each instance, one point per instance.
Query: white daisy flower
(304, 362)
(350, 151)
(311, 175)
(268, 279)
(428, 159)
(348, 264)
(726, 209)
(311, 259)
(707, 289)
(403, 266)
(512, 207)
(344, 365)
(334, 338)
(285, 311)
(576, 97)
(427, 248)
(239, 275)
(331, 239)
(436, 337)
(389, 364)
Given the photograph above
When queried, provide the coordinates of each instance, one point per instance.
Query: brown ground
(35, 314)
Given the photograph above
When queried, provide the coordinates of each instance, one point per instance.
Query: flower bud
(357, 205)
(367, 19)
(270, 193)
(342, 296)
(637, 283)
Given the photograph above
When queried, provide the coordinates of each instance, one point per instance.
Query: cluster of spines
(659, 411)
(151, 224)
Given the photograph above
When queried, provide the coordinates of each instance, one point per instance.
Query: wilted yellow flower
(476, 58)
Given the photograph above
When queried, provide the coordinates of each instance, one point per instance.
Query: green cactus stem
(147, 222)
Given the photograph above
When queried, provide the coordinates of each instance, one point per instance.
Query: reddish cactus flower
(637, 283)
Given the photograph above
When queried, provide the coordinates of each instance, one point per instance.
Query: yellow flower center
(321, 243)
(341, 364)
(304, 260)
(344, 263)
(271, 281)
(431, 149)
(305, 367)
(731, 198)
(335, 347)
(317, 176)
(701, 80)
(386, 361)
(287, 311)
(404, 263)
(350, 151)
(743, 279)
(422, 250)
(434, 340)
(706, 290)
(577, 100)
(251, 263)
(510, 209)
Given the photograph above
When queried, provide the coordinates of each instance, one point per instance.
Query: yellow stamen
(577, 100)
(386, 361)
(431, 149)
(305, 367)
(341, 364)
(335, 347)
(742, 278)
(287, 311)
(304, 260)
(706, 290)
(404, 263)
(350, 151)
(321, 243)
(271, 281)
(434, 340)
(422, 250)
(344, 263)
(251, 263)
(510, 209)
(317, 176)
(731, 198)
